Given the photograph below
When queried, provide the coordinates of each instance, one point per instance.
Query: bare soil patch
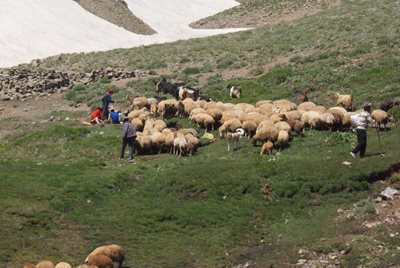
(118, 13)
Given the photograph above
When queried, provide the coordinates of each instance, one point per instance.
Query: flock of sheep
(269, 122)
(101, 257)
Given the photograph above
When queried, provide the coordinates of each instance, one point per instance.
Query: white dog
(234, 138)
(235, 92)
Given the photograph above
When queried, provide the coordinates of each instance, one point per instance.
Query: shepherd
(364, 118)
(128, 138)
(106, 101)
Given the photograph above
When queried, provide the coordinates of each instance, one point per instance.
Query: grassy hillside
(64, 191)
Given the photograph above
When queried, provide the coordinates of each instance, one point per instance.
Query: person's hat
(110, 90)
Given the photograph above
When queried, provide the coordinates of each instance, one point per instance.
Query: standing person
(363, 119)
(128, 137)
(106, 101)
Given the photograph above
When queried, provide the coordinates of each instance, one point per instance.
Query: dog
(234, 138)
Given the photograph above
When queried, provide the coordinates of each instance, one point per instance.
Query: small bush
(191, 70)
(365, 206)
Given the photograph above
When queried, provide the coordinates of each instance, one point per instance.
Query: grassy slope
(171, 212)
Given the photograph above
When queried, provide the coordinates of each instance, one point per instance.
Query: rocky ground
(117, 13)
(19, 84)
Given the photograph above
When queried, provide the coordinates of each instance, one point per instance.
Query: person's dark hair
(367, 106)
(126, 119)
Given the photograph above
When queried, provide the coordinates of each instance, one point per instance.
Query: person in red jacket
(95, 117)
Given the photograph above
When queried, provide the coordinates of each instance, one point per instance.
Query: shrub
(191, 70)
(104, 80)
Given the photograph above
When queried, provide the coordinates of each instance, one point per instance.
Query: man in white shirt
(364, 118)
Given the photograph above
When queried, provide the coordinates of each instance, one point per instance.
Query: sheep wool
(267, 148)
(29, 265)
(381, 117)
(45, 264)
(101, 261)
(63, 265)
(115, 252)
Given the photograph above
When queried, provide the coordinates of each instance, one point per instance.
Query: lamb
(282, 140)
(229, 126)
(180, 145)
(264, 134)
(101, 261)
(267, 148)
(63, 265)
(235, 92)
(344, 100)
(115, 252)
(45, 264)
(381, 117)
(234, 139)
(250, 128)
(192, 144)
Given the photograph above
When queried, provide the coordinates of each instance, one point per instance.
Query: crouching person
(128, 137)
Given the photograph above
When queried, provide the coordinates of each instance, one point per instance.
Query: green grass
(63, 192)
(62, 186)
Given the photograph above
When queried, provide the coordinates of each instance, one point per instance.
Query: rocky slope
(118, 13)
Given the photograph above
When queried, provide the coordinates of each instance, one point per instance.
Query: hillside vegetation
(64, 191)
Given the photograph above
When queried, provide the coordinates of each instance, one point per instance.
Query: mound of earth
(118, 13)
(255, 13)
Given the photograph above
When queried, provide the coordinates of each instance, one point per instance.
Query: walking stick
(380, 143)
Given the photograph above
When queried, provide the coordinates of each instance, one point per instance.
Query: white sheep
(63, 265)
(264, 134)
(180, 146)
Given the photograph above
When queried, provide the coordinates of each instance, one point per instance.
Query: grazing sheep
(327, 120)
(29, 265)
(192, 144)
(311, 119)
(267, 148)
(307, 106)
(101, 261)
(157, 141)
(139, 103)
(250, 128)
(169, 142)
(234, 139)
(137, 123)
(45, 264)
(284, 105)
(282, 140)
(115, 252)
(229, 126)
(262, 102)
(295, 125)
(63, 265)
(344, 100)
(185, 131)
(167, 108)
(143, 143)
(275, 118)
(159, 125)
(253, 116)
(215, 113)
(235, 92)
(180, 145)
(292, 115)
(282, 126)
(264, 134)
(196, 111)
(381, 117)
(204, 120)
(321, 109)
(265, 123)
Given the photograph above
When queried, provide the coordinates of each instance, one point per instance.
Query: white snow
(31, 29)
